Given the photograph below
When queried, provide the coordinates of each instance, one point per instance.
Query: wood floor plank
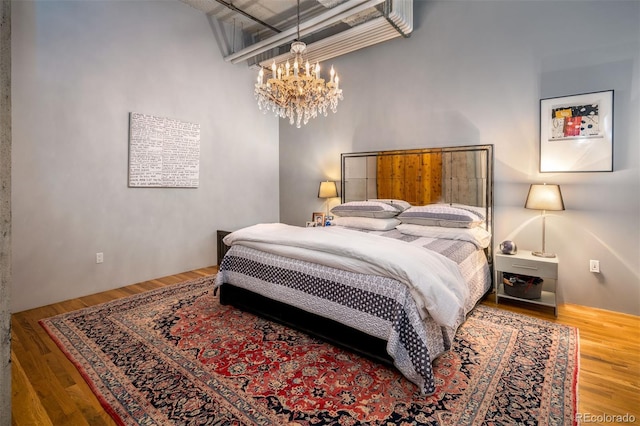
(93, 415)
(48, 389)
(25, 402)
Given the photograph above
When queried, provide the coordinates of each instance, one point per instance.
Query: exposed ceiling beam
(245, 14)
(371, 32)
(324, 20)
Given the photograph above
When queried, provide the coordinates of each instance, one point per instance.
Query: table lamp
(544, 197)
(327, 190)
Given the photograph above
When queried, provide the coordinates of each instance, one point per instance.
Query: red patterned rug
(176, 356)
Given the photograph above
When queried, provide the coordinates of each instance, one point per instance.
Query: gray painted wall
(79, 69)
(473, 73)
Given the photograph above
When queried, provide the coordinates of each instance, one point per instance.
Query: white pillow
(365, 209)
(368, 223)
(478, 236)
(441, 215)
(398, 204)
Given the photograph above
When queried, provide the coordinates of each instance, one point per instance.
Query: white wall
(473, 73)
(79, 69)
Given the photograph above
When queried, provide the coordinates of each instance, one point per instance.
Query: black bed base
(314, 325)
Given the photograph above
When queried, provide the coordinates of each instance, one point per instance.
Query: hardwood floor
(48, 390)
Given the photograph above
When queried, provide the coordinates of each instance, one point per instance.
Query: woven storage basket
(522, 286)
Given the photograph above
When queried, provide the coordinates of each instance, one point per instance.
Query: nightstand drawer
(525, 263)
(533, 267)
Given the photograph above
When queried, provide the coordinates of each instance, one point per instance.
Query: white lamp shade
(544, 197)
(327, 190)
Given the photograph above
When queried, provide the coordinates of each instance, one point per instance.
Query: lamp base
(543, 254)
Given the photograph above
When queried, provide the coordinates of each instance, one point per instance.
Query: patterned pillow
(481, 212)
(398, 204)
(365, 209)
(441, 215)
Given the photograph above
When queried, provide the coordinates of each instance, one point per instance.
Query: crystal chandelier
(298, 92)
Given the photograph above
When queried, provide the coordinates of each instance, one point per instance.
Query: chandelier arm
(299, 96)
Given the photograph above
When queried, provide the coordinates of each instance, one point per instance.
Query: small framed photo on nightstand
(318, 218)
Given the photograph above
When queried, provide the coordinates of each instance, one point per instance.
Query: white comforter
(434, 281)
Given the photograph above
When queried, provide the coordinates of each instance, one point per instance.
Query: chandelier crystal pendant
(297, 91)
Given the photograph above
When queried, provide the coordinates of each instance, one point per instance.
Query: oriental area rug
(176, 356)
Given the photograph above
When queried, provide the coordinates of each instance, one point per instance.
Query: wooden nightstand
(222, 247)
(525, 263)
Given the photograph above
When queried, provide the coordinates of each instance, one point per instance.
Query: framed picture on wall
(576, 133)
(318, 218)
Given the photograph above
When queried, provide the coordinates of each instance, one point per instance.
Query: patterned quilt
(379, 306)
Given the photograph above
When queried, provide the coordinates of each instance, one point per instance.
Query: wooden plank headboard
(456, 174)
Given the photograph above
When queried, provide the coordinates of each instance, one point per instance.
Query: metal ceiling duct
(331, 17)
(364, 35)
(343, 27)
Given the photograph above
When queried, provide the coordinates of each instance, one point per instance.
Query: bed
(390, 286)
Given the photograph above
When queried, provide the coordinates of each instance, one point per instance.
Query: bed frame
(466, 178)
(314, 325)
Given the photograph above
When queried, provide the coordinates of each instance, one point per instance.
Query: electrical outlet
(594, 266)
(99, 257)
